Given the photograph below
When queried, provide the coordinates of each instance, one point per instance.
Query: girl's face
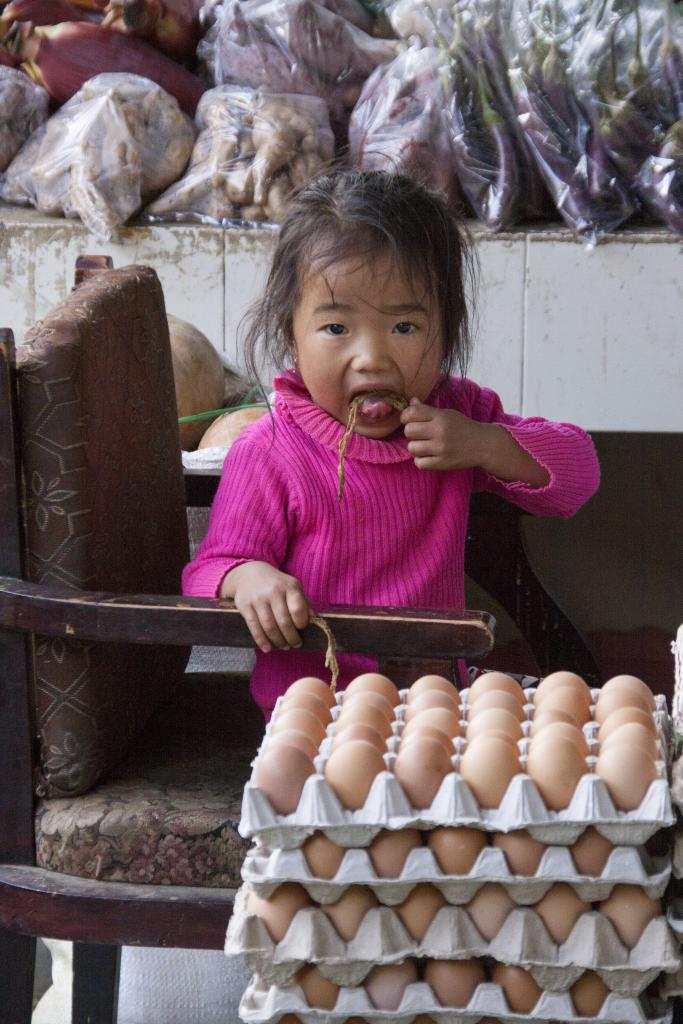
(365, 328)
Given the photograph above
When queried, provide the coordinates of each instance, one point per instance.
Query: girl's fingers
(270, 625)
(416, 412)
(418, 431)
(283, 619)
(299, 609)
(429, 462)
(421, 449)
(255, 628)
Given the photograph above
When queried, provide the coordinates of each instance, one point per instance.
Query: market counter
(589, 336)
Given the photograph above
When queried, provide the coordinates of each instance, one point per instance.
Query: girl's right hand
(271, 602)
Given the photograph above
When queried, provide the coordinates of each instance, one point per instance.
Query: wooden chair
(101, 916)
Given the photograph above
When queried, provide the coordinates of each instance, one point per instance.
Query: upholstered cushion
(169, 814)
(104, 510)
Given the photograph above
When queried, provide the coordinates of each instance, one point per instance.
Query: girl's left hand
(443, 438)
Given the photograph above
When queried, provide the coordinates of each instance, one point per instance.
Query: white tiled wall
(594, 337)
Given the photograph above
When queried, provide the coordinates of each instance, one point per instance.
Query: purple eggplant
(660, 181)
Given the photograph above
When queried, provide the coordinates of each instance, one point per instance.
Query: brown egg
(522, 852)
(360, 711)
(293, 738)
(521, 991)
(630, 910)
(489, 909)
(426, 684)
(420, 908)
(456, 849)
(496, 681)
(631, 683)
(310, 684)
(557, 679)
(431, 699)
(497, 699)
(290, 1018)
(350, 909)
(408, 736)
(309, 702)
(560, 909)
(495, 720)
(588, 994)
(619, 697)
(377, 683)
(385, 985)
(562, 729)
(487, 766)
(281, 771)
(632, 735)
(504, 736)
(301, 721)
(627, 773)
(445, 721)
(389, 850)
(322, 855)
(567, 699)
(345, 731)
(624, 716)
(317, 990)
(278, 911)
(421, 767)
(556, 767)
(591, 852)
(351, 771)
(454, 982)
(375, 700)
(542, 718)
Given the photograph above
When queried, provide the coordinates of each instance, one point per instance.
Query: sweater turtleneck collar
(293, 401)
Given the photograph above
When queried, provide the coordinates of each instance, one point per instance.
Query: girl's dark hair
(351, 214)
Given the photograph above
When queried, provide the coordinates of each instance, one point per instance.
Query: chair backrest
(104, 510)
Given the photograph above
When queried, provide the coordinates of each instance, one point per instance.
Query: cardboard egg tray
(522, 940)
(265, 870)
(522, 806)
(262, 1004)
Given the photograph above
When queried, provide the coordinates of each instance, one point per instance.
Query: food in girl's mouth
(373, 406)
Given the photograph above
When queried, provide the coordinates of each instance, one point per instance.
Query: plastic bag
(119, 140)
(23, 108)
(254, 149)
(629, 70)
(294, 46)
(398, 125)
(582, 180)
(492, 162)
(424, 21)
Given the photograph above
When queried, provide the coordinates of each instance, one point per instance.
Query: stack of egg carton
(674, 985)
(310, 941)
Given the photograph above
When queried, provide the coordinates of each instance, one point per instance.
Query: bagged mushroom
(254, 149)
(398, 125)
(118, 141)
(23, 109)
(294, 46)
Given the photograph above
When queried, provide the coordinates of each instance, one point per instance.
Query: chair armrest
(174, 619)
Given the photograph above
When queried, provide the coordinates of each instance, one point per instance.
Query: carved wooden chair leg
(95, 983)
(17, 961)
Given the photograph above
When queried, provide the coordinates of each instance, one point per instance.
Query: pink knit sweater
(398, 536)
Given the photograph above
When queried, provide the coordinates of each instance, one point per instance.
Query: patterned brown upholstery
(105, 510)
(169, 814)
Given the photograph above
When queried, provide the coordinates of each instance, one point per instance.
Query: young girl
(366, 295)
